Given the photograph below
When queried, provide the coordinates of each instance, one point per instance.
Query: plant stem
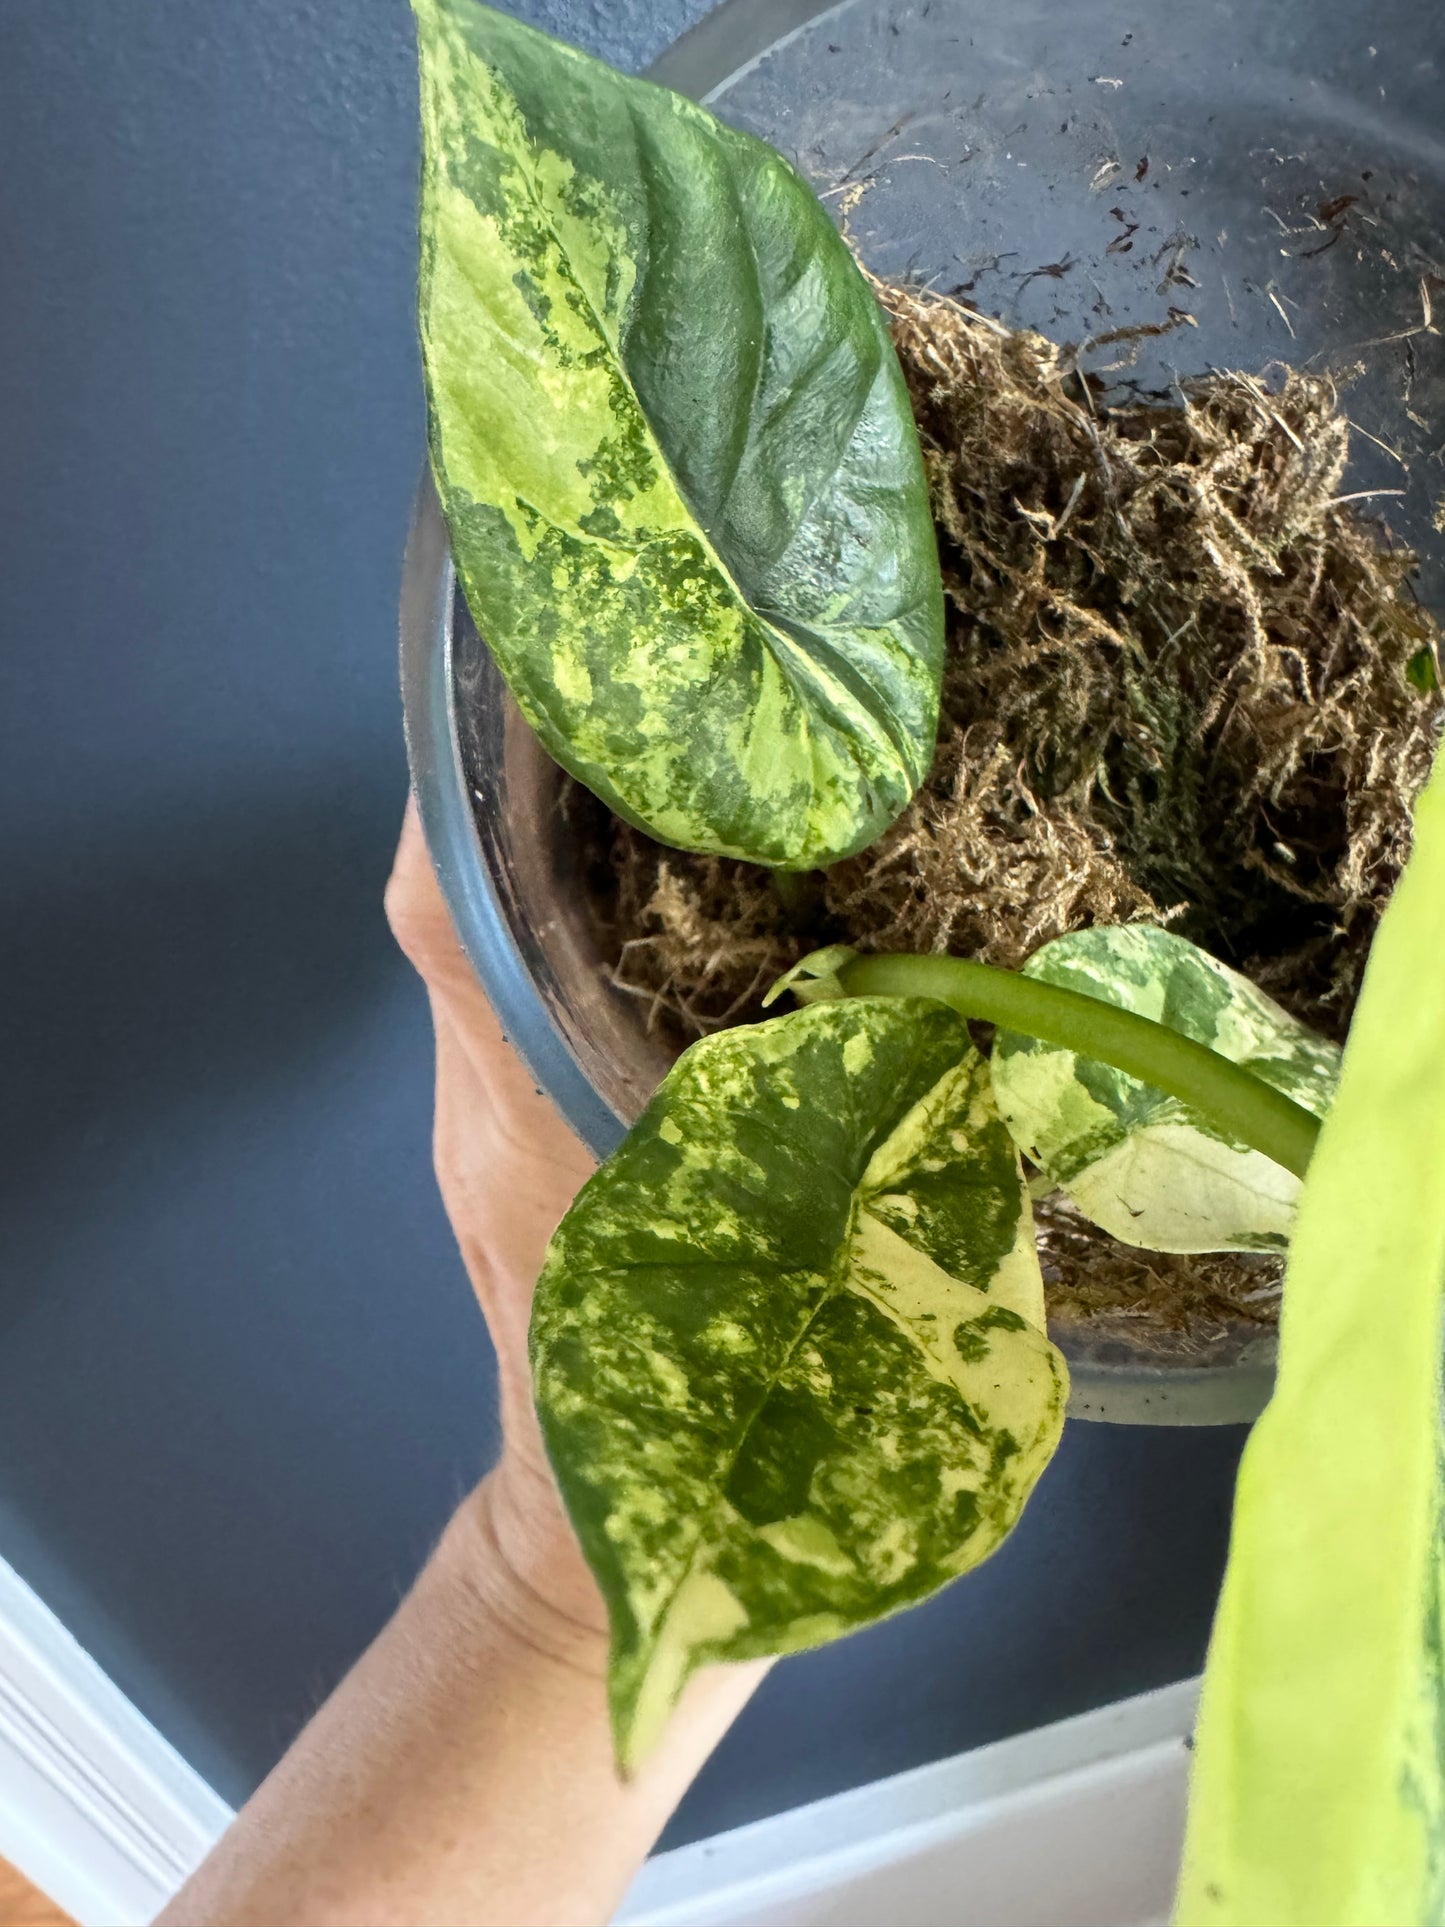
(1224, 1093)
(798, 891)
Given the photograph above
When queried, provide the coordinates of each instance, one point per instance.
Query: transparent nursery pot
(1261, 182)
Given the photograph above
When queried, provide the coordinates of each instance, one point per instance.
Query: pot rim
(443, 794)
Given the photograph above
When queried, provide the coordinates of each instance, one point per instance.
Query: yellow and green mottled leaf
(675, 452)
(1144, 1166)
(789, 1346)
(1318, 1795)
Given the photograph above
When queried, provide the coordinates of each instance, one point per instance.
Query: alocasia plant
(683, 484)
(789, 1342)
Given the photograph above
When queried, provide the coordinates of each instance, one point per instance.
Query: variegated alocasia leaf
(1140, 1164)
(675, 452)
(789, 1347)
(1318, 1796)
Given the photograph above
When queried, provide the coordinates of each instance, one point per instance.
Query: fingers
(520, 1121)
(507, 1165)
(419, 919)
(422, 926)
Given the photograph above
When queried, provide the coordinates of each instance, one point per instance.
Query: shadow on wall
(185, 960)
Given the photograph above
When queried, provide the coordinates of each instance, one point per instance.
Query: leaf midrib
(619, 362)
(838, 1275)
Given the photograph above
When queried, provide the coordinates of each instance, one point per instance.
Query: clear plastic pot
(1264, 182)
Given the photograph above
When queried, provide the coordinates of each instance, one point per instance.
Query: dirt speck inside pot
(1186, 681)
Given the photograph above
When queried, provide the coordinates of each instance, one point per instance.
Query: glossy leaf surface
(1138, 1163)
(675, 452)
(789, 1344)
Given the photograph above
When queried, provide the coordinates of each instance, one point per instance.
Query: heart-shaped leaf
(788, 1344)
(1142, 1165)
(675, 451)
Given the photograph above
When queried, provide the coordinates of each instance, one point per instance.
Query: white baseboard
(1078, 1824)
(1073, 1825)
(96, 1808)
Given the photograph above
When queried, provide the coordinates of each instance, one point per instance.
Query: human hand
(464, 1768)
(508, 1168)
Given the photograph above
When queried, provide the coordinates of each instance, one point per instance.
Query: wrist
(521, 1560)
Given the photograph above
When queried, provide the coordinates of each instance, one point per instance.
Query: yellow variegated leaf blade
(1318, 1795)
(675, 451)
(788, 1344)
(1141, 1164)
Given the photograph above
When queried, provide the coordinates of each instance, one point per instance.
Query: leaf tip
(640, 1702)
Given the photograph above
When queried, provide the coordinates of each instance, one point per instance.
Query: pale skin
(462, 1771)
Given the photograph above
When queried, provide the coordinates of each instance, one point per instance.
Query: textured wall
(627, 32)
(241, 1377)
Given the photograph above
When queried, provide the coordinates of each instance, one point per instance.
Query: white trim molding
(96, 1808)
(1073, 1825)
(1079, 1824)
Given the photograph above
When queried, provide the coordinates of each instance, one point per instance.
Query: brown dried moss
(1175, 689)
(1191, 649)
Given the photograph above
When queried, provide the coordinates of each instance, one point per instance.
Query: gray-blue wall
(241, 1377)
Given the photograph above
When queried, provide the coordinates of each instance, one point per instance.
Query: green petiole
(1227, 1095)
(799, 891)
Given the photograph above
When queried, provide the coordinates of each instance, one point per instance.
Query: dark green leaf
(789, 1344)
(1422, 673)
(675, 451)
